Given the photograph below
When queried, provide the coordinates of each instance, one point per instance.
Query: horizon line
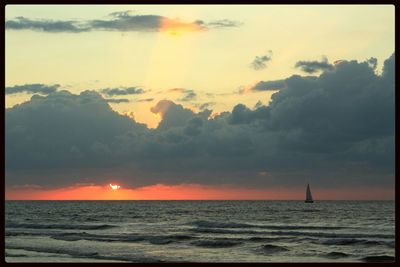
(197, 200)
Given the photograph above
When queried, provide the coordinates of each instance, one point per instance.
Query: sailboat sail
(309, 198)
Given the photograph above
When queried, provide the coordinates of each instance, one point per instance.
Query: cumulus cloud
(314, 66)
(122, 91)
(259, 62)
(122, 21)
(335, 128)
(373, 62)
(32, 89)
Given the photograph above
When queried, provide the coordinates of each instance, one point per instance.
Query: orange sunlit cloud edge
(192, 192)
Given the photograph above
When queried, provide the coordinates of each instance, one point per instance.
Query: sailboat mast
(308, 195)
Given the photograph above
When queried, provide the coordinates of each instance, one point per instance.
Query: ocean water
(199, 231)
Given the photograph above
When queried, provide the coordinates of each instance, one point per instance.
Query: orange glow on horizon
(191, 192)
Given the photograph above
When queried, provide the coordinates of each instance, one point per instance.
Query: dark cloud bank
(119, 21)
(336, 129)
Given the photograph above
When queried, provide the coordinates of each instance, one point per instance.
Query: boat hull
(309, 201)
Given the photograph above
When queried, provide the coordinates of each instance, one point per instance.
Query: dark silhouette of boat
(309, 198)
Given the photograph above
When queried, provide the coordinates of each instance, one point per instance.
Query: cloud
(117, 101)
(373, 62)
(188, 94)
(145, 100)
(314, 66)
(269, 85)
(51, 26)
(32, 89)
(333, 129)
(223, 23)
(259, 62)
(122, 91)
(204, 106)
(121, 21)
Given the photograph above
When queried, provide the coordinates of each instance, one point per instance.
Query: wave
(381, 258)
(354, 241)
(91, 255)
(8, 233)
(60, 226)
(273, 248)
(93, 237)
(153, 239)
(15, 255)
(291, 233)
(215, 243)
(336, 255)
(269, 239)
(210, 224)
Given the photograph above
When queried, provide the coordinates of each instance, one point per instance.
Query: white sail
(308, 194)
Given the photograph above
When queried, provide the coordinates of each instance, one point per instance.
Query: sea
(199, 231)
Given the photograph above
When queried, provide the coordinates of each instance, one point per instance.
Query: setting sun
(115, 187)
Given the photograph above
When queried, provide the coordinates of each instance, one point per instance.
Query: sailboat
(309, 198)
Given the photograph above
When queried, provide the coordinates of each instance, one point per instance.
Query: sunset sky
(199, 101)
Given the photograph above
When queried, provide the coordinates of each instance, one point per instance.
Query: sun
(115, 187)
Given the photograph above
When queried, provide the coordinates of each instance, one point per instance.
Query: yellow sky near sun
(182, 56)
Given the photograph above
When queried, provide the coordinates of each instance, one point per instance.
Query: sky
(199, 101)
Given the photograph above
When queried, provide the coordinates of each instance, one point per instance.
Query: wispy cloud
(117, 101)
(204, 106)
(122, 91)
(145, 100)
(188, 94)
(52, 26)
(263, 86)
(259, 62)
(32, 89)
(314, 66)
(122, 21)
